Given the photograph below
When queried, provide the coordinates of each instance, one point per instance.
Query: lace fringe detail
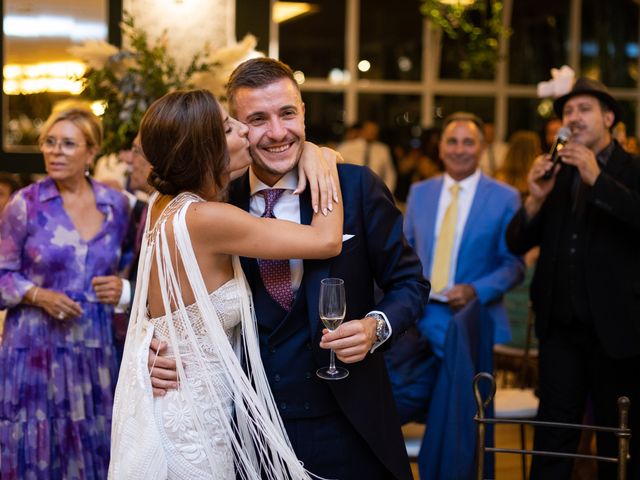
(254, 433)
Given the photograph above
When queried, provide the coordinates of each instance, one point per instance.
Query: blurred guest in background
(456, 223)
(632, 146)
(366, 150)
(352, 131)
(118, 289)
(494, 150)
(419, 160)
(524, 147)
(8, 185)
(619, 133)
(57, 360)
(112, 169)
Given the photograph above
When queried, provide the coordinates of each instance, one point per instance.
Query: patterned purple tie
(276, 274)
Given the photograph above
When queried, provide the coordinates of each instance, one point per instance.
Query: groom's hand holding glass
(354, 339)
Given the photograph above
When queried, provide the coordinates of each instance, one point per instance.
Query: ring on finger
(61, 315)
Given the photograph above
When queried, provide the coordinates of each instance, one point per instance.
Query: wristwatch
(382, 330)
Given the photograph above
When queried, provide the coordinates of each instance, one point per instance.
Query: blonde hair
(80, 114)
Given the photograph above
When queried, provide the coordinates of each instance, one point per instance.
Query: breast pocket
(349, 243)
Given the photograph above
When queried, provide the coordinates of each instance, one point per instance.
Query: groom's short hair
(258, 73)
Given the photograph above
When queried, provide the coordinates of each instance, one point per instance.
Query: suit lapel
(314, 270)
(430, 206)
(478, 205)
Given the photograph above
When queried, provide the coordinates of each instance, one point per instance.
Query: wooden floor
(508, 467)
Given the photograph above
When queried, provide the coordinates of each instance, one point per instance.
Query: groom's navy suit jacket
(377, 253)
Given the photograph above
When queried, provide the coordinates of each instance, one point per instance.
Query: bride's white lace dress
(174, 417)
(222, 422)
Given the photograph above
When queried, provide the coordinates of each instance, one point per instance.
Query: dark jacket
(377, 252)
(611, 255)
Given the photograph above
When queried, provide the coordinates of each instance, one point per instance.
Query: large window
(314, 42)
(390, 43)
(375, 59)
(609, 43)
(540, 39)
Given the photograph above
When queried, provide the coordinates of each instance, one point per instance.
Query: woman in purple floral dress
(57, 359)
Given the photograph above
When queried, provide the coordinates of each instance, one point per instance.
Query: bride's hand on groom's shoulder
(317, 167)
(162, 370)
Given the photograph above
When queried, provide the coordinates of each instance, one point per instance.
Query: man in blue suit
(344, 429)
(457, 223)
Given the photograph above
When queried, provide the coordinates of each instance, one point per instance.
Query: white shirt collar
(289, 182)
(467, 184)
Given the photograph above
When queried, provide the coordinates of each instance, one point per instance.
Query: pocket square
(346, 237)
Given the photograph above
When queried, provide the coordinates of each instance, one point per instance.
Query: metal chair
(622, 431)
(519, 401)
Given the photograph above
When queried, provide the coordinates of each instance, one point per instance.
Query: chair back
(622, 431)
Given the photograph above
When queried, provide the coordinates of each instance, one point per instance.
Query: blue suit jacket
(484, 261)
(376, 254)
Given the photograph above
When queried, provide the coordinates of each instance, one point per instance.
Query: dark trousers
(573, 368)
(330, 448)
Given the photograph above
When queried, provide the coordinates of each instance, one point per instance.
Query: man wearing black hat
(586, 288)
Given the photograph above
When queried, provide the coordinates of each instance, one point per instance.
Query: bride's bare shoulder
(212, 213)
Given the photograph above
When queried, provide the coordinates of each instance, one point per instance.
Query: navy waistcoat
(287, 354)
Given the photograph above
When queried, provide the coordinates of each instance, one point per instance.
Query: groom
(345, 429)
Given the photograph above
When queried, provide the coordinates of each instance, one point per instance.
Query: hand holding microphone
(561, 138)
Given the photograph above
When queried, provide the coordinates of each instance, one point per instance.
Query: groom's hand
(352, 340)
(162, 370)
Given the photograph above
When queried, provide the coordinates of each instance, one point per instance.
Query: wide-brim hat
(589, 86)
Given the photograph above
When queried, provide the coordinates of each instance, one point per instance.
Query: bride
(222, 421)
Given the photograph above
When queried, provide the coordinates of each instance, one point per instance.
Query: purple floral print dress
(57, 378)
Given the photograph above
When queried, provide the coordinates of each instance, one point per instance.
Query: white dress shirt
(466, 194)
(286, 208)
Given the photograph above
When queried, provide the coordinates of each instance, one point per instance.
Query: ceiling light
(53, 26)
(364, 65)
(464, 3)
(284, 11)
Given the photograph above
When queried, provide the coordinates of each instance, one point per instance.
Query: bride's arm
(316, 168)
(223, 228)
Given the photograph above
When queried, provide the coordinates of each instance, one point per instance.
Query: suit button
(572, 251)
(308, 346)
(272, 350)
(307, 406)
(283, 406)
(276, 377)
(307, 375)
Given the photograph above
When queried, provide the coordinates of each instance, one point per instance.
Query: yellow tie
(444, 245)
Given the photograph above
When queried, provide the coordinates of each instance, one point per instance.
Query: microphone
(561, 138)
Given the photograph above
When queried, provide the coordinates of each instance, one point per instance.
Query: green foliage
(130, 80)
(478, 27)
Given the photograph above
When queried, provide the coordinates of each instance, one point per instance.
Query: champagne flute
(332, 307)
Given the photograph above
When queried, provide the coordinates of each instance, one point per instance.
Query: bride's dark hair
(182, 136)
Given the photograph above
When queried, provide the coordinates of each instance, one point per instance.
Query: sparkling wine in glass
(332, 307)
